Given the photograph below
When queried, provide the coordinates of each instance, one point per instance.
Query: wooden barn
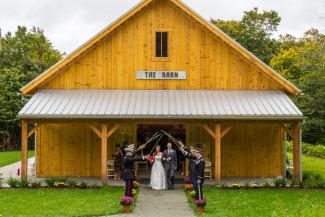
(161, 66)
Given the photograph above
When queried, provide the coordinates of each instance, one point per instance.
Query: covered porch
(102, 114)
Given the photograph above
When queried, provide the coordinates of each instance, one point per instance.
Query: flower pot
(126, 208)
(201, 209)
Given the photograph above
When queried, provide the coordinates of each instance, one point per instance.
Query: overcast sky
(70, 23)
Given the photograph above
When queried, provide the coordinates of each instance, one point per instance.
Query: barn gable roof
(31, 87)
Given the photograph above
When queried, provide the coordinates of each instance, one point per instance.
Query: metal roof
(160, 104)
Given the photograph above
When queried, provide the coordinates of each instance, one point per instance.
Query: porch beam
(112, 130)
(217, 163)
(296, 133)
(225, 131)
(287, 130)
(208, 129)
(32, 131)
(104, 154)
(24, 149)
(95, 130)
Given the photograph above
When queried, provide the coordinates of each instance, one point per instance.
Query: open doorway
(144, 132)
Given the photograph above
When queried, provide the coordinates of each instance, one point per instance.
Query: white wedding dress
(158, 176)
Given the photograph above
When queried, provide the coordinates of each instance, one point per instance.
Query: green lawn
(312, 164)
(266, 203)
(60, 202)
(10, 157)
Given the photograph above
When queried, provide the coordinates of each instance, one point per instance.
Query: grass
(312, 164)
(266, 203)
(60, 202)
(10, 157)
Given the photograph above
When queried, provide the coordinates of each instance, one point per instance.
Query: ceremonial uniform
(198, 177)
(129, 177)
(191, 164)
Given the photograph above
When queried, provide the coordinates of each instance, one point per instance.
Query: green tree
(23, 56)
(254, 32)
(302, 61)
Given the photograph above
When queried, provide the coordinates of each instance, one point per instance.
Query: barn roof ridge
(271, 73)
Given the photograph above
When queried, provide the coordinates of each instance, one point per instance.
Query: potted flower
(188, 187)
(187, 180)
(126, 202)
(235, 186)
(134, 192)
(136, 184)
(200, 204)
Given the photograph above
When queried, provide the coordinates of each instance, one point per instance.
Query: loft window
(161, 44)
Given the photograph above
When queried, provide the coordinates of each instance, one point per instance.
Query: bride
(158, 176)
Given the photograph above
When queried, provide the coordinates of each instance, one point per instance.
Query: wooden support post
(296, 151)
(104, 154)
(24, 149)
(217, 164)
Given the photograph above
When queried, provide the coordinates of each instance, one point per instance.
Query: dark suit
(170, 166)
(129, 173)
(198, 178)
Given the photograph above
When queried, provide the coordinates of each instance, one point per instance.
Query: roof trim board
(45, 76)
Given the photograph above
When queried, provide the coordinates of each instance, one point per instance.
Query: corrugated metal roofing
(161, 104)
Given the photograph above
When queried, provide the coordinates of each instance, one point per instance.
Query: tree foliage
(254, 32)
(302, 61)
(23, 56)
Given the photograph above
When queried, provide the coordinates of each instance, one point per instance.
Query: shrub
(280, 182)
(83, 185)
(72, 183)
(35, 184)
(247, 185)
(24, 183)
(293, 183)
(60, 184)
(50, 182)
(13, 183)
(266, 184)
(309, 149)
(235, 186)
(313, 180)
(62, 179)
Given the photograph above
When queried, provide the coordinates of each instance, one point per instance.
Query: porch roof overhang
(161, 104)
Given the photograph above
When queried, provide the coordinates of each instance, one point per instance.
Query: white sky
(70, 23)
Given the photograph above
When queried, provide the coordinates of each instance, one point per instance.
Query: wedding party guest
(170, 158)
(199, 174)
(190, 154)
(118, 162)
(128, 165)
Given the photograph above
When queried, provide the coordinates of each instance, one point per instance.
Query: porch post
(296, 133)
(24, 149)
(217, 163)
(104, 154)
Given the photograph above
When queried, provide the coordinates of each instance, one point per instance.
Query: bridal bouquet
(150, 158)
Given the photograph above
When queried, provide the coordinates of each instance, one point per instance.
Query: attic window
(161, 44)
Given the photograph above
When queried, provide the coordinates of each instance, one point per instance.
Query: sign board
(161, 75)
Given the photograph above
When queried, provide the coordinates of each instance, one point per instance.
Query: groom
(170, 158)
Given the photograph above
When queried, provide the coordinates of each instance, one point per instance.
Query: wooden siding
(248, 150)
(74, 150)
(209, 62)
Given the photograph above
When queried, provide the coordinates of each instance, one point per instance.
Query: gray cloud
(68, 24)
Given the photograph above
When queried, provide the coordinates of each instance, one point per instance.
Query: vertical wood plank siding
(112, 64)
(248, 150)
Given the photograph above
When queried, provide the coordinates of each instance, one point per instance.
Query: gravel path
(153, 203)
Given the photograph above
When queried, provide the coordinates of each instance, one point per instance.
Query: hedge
(309, 149)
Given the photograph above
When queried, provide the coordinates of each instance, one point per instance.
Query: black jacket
(191, 165)
(128, 165)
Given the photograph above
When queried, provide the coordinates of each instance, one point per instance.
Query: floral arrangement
(200, 203)
(60, 184)
(187, 180)
(134, 192)
(136, 184)
(192, 194)
(188, 187)
(150, 158)
(235, 186)
(126, 201)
